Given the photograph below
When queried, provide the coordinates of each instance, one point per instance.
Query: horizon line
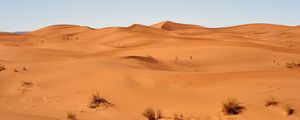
(227, 26)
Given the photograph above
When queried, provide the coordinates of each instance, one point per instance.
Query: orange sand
(177, 68)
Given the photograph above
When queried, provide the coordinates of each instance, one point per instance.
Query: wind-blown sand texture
(172, 67)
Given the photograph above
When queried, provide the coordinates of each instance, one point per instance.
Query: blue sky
(19, 15)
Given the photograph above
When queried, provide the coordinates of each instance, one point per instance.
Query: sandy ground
(172, 67)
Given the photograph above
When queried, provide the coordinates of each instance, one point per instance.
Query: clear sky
(24, 15)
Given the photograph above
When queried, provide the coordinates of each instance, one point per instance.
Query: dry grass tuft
(231, 106)
(2, 68)
(291, 65)
(97, 100)
(147, 58)
(288, 110)
(24, 68)
(71, 116)
(271, 101)
(26, 83)
(150, 114)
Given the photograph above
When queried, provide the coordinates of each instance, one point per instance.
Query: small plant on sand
(271, 101)
(26, 83)
(288, 110)
(150, 114)
(16, 70)
(291, 65)
(71, 116)
(97, 100)
(24, 68)
(2, 68)
(231, 106)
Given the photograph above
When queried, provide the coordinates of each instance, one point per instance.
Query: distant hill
(21, 32)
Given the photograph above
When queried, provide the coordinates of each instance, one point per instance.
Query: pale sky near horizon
(26, 15)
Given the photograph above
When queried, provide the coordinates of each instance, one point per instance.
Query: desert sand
(176, 68)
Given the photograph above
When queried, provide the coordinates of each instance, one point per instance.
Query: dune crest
(169, 25)
(59, 30)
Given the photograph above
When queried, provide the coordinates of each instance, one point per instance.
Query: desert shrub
(147, 58)
(97, 100)
(271, 101)
(231, 106)
(150, 114)
(288, 110)
(71, 116)
(2, 68)
(26, 83)
(289, 65)
(24, 68)
(292, 64)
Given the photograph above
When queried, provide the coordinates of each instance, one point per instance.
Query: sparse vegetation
(147, 58)
(2, 68)
(16, 70)
(26, 83)
(231, 106)
(271, 101)
(71, 116)
(288, 110)
(291, 65)
(24, 68)
(150, 114)
(97, 100)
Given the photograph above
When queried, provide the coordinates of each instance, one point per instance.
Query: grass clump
(231, 106)
(150, 114)
(97, 100)
(288, 110)
(271, 102)
(291, 65)
(71, 116)
(2, 68)
(26, 83)
(24, 68)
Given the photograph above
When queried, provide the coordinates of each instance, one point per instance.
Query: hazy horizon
(33, 14)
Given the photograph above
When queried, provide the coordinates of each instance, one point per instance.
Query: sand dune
(255, 28)
(169, 25)
(59, 30)
(177, 68)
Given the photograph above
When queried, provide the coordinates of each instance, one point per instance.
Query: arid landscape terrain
(181, 71)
